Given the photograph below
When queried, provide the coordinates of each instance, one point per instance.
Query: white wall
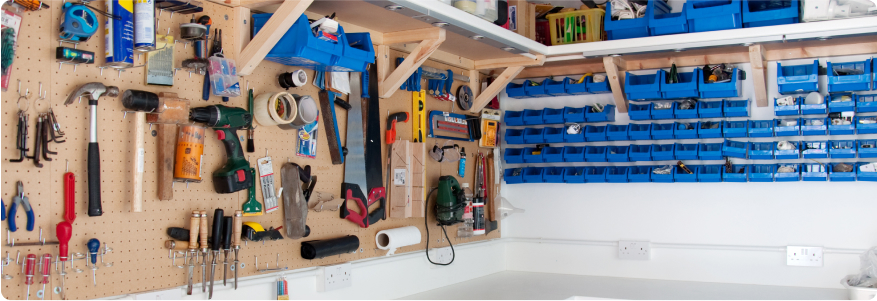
(713, 232)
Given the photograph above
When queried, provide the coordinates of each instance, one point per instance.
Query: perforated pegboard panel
(140, 261)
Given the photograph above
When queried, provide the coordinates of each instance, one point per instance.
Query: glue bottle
(462, 170)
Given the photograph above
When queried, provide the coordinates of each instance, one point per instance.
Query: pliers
(20, 200)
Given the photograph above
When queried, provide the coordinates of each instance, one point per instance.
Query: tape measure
(464, 97)
(79, 24)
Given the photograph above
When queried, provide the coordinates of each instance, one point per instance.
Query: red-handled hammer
(391, 124)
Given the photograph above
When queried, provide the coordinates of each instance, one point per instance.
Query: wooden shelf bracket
(615, 67)
(513, 66)
(270, 34)
(430, 39)
(759, 73)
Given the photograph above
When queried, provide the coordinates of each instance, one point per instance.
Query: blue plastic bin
(533, 175)
(736, 108)
(867, 148)
(842, 129)
(814, 149)
(639, 111)
(739, 175)
(662, 131)
(835, 103)
(858, 82)
(842, 176)
(533, 155)
(514, 118)
(709, 151)
(663, 22)
(573, 115)
(686, 87)
(735, 149)
(513, 155)
(514, 136)
(608, 114)
(710, 109)
(842, 149)
(815, 109)
(357, 54)
(640, 87)
(510, 177)
(595, 174)
(793, 176)
(705, 129)
(552, 154)
(814, 172)
(690, 113)
(719, 90)
(710, 15)
(299, 47)
(866, 103)
(760, 128)
(552, 174)
(710, 173)
(574, 175)
(761, 172)
(798, 78)
(686, 151)
(663, 152)
(537, 91)
(573, 88)
(616, 174)
(794, 109)
(782, 154)
(556, 87)
(658, 114)
(595, 153)
(685, 130)
(595, 133)
(639, 174)
(866, 124)
(792, 130)
(814, 126)
(552, 116)
(640, 152)
(865, 175)
(757, 13)
(735, 129)
(617, 153)
(661, 178)
(761, 150)
(574, 154)
(553, 135)
(616, 132)
(598, 88)
(639, 131)
(517, 90)
(680, 175)
(533, 135)
(532, 117)
(572, 138)
(628, 28)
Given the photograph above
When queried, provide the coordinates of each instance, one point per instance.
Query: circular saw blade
(464, 97)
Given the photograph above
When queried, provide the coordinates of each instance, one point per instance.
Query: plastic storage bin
(710, 15)
(786, 154)
(537, 91)
(573, 115)
(595, 133)
(663, 22)
(616, 132)
(735, 129)
(842, 176)
(662, 178)
(575, 88)
(663, 152)
(757, 13)
(685, 130)
(866, 103)
(814, 149)
(533, 155)
(616, 174)
(533, 136)
(667, 113)
(760, 128)
(761, 150)
(608, 114)
(628, 28)
(680, 175)
(662, 131)
(709, 151)
(783, 175)
(842, 149)
(578, 26)
(690, 113)
(639, 111)
(299, 47)
(735, 149)
(617, 153)
(865, 175)
(647, 86)
(798, 78)
(736, 108)
(556, 87)
(739, 175)
(867, 148)
(717, 90)
(640, 153)
(792, 129)
(572, 138)
(709, 109)
(532, 117)
(357, 54)
(639, 131)
(552, 154)
(710, 173)
(552, 175)
(813, 109)
(598, 88)
(761, 172)
(814, 126)
(574, 175)
(553, 135)
(552, 116)
(794, 109)
(513, 155)
(595, 154)
(837, 104)
(533, 175)
(709, 129)
(686, 151)
(639, 174)
(842, 129)
(866, 124)
(517, 90)
(514, 136)
(595, 174)
(514, 118)
(574, 154)
(859, 80)
(513, 175)
(686, 87)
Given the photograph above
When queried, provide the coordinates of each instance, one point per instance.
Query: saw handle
(391, 125)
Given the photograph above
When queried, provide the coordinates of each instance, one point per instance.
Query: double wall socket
(638, 250)
(804, 256)
(440, 255)
(334, 277)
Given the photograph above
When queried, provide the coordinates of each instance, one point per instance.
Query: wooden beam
(596, 66)
(414, 35)
(383, 61)
(258, 3)
(413, 61)
(816, 48)
(759, 74)
(615, 67)
(438, 56)
(274, 29)
(241, 34)
(475, 82)
(495, 88)
(521, 61)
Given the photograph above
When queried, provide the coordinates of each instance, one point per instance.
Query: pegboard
(140, 261)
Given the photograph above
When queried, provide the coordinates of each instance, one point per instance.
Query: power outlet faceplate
(804, 256)
(334, 277)
(441, 255)
(638, 250)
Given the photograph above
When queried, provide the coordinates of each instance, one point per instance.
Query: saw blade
(354, 162)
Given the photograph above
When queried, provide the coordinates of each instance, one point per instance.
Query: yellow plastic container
(576, 27)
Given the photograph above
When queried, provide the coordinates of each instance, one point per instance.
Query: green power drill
(236, 174)
(450, 201)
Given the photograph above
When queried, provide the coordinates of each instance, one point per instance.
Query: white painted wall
(712, 232)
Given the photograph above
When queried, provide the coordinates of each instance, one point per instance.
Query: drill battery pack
(233, 181)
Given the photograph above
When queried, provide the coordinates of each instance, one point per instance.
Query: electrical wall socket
(804, 256)
(639, 250)
(441, 255)
(333, 277)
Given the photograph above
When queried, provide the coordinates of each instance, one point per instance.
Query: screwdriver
(214, 245)
(93, 248)
(236, 238)
(28, 272)
(203, 244)
(46, 265)
(193, 246)
(226, 243)
(63, 231)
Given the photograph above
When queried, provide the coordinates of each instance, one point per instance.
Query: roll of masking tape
(275, 108)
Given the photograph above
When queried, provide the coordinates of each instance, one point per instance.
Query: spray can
(144, 25)
(462, 169)
(119, 34)
(190, 152)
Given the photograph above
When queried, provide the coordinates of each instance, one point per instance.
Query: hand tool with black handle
(215, 244)
(226, 245)
(202, 242)
(251, 146)
(93, 250)
(194, 221)
(45, 269)
(237, 220)
(29, 263)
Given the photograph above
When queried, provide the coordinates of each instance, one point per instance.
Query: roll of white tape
(393, 239)
(275, 108)
(299, 78)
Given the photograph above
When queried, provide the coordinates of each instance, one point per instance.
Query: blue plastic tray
(710, 109)
(552, 154)
(861, 82)
(595, 133)
(616, 132)
(842, 129)
(553, 135)
(756, 13)
(640, 152)
(574, 175)
(842, 149)
(617, 153)
(710, 173)
(788, 154)
(514, 136)
(510, 178)
(299, 47)
(639, 174)
(628, 28)
(639, 111)
(537, 91)
(513, 155)
(595, 174)
(616, 174)
(533, 175)
(798, 78)
(735, 129)
(639, 131)
(531, 155)
(761, 150)
(532, 117)
(710, 15)
(573, 115)
(663, 22)
(681, 130)
(686, 87)
(659, 178)
(691, 113)
(680, 175)
(709, 151)
(811, 126)
(686, 151)
(514, 118)
(662, 131)
(663, 152)
(738, 175)
(718, 90)
(358, 52)
(641, 87)
(735, 149)
(608, 114)
(788, 176)
(663, 114)
(573, 88)
(842, 176)
(736, 108)
(866, 128)
(595, 153)
(517, 90)
(574, 154)
(533, 135)
(556, 87)
(761, 172)
(794, 130)
(867, 148)
(835, 105)
(866, 103)
(598, 88)
(817, 109)
(552, 116)
(865, 176)
(552, 174)
(703, 130)
(760, 128)
(814, 172)
(814, 149)
(794, 109)
(572, 138)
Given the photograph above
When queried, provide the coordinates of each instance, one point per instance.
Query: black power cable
(426, 224)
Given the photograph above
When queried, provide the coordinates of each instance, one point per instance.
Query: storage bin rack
(710, 109)
(739, 174)
(788, 176)
(513, 155)
(866, 103)
(552, 116)
(736, 108)
(533, 174)
(595, 133)
(552, 154)
(571, 138)
(761, 172)
(798, 78)
(686, 87)
(658, 114)
(533, 155)
(533, 135)
(813, 109)
(860, 82)
(663, 22)
(679, 175)
(299, 47)
(639, 174)
(835, 105)
(814, 126)
(841, 129)
(556, 87)
(710, 15)
(532, 117)
(756, 15)
(517, 90)
(513, 175)
(616, 132)
(514, 136)
(513, 118)
(842, 149)
(719, 90)
(552, 174)
(794, 109)
(842, 176)
(553, 135)
(628, 28)
(659, 178)
(576, 26)
(643, 87)
(595, 153)
(792, 130)
(735, 129)
(607, 115)
(574, 175)
(735, 149)
(867, 148)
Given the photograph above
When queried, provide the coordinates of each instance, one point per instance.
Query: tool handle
(193, 229)
(226, 232)
(28, 268)
(46, 267)
(12, 211)
(177, 246)
(205, 92)
(63, 231)
(251, 146)
(94, 205)
(203, 231)
(231, 142)
(3, 211)
(217, 230)
(93, 248)
(137, 162)
(30, 218)
(364, 83)
(167, 137)
(236, 233)
(69, 197)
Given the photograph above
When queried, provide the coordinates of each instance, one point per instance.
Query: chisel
(236, 242)
(226, 243)
(215, 245)
(203, 244)
(193, 246)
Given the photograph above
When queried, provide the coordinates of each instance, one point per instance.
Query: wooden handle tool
(137, 162)
(193, 230)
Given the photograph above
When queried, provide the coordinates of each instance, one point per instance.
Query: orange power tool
(391, 124)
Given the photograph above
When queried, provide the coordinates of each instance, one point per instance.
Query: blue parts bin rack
(616, 174)
(533, 135)
(798, 78)
(537, 91)
(627, 28)
(640, 152)
(782, 154)
(514, 118)
(814, 172)
(358, 52)
(736, 108)
(735, 149)
(866, 124)
(639, 131)
(690, 113)
(841, 176)
(616, 132)
(814, 149)
(663, 22)
(558, 116)
(532, 117)
(552, 174)
(574, 175)
(757, 13)
(761, 150)
(840, 102)
(685, 130)
(813, 126)
(792, 129)
(853, 82)
(710, 109)
(299, 47)
(513, 155)
(595, 154)
(641, 87)
(552, 154)
(607, 115)
(761, 172)
(686, 151)
(710, 15)
(514, 136)
(735, 129)
(617, 153)
(663, 178)
(758, 128)
(867, 148)
(595, 133)
(517, 90)
(738, 175)
(842, 149)
(639, 174)
(710, 173)
(640, 111)
(709, 129)
(866, 103)
(658, 114)
(794, 109)
(709, 151)
(595, 174)
(573, 115)
(513, 175)
(865, 175)
(533, 175)
(533, 155)
(718, 90)
(552, 116)
(784, 175)
(686, 87)
(663, 152)
(570, 138)
(553, 135)
(662, 131)
(574, 154)
(680, 175)
(556, 87)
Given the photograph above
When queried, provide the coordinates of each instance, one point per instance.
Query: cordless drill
(236, 174)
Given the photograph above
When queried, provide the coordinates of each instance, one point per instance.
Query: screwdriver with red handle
(28, 272)
(45, 266)
(63, 231)
(69, 197)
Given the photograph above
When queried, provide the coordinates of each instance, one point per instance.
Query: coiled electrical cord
(426, 224)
